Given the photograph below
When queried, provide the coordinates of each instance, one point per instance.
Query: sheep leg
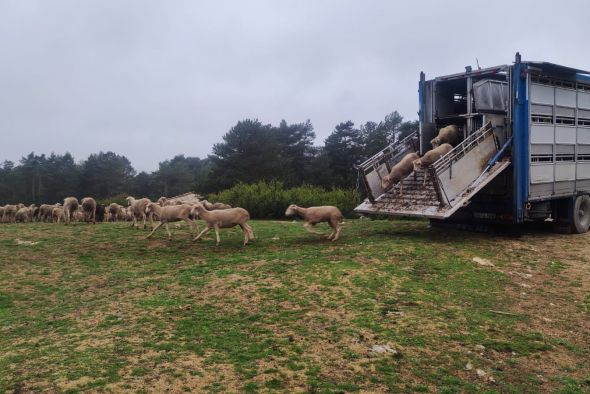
(401, 188)
(334, 224)
(205, 231)
(168, 231)
(250, 231)
(338, 228)
(308, 226)
(246, 235)
(192, 225)
(216, 227)
(144, 219)
(154, 230)
(152, 220)
(425, 177)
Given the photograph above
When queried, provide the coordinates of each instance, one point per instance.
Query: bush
(119, 199)
(269, 200)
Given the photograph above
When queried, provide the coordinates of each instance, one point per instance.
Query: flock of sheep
(215, 215)
(441, 145)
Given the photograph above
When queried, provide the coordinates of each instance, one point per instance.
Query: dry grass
(100, 308)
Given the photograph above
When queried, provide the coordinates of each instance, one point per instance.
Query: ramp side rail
(446, 166)
(372, 170)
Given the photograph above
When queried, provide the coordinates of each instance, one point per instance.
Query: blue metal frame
(520, 133)
(421, 98)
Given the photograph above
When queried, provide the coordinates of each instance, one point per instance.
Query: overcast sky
(152, 79)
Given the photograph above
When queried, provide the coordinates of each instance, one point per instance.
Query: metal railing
(462, 149)
(389, 152)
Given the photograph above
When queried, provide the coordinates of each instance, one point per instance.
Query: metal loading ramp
(452, 180)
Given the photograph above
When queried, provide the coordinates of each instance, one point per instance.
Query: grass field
(99, 308)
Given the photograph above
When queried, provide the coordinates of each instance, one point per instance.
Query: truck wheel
(581, 219)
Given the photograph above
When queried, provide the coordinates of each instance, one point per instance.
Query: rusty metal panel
(459, 175)
(373, 180)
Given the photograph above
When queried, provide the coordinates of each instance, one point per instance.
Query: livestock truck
(522, 154)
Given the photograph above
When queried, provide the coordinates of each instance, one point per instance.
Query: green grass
(98, 307)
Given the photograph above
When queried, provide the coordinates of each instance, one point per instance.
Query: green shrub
(269, 200)
(118, 198)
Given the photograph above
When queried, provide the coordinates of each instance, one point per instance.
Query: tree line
(249, 152)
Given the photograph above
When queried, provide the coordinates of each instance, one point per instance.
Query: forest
(249, 152)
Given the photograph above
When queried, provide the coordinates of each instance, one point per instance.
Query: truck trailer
(522, 155)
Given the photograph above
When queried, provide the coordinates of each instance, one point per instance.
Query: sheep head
(196, 208)
(385, 181)
(291, 210)
(417, 164)
(435, 142)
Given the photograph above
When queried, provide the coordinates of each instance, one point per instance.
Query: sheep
(88, 205)
(223, 218)
(315, 215)
(115, 211)
(45, 212)
(212, 207)
(127, 214)
(172, 213)
(430, 157)
(400, 171)
(70, 207)
(1, 214)
(10, 213)
(58, 215)
(79, 215)
(24, 215)
(164, 202)
(138, 210)
(100, 212)
(445, 135)
(36, 211)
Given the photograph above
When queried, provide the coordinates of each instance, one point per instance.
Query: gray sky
(151, 79)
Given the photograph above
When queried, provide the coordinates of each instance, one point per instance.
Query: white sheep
(23, 215)
(447, 135)
(430, 157)
(10, 213)
(169, 214)
(114, 211)
(58, 214)
(400, 171)
(46, 210)
(88, 205)
(137, 208)
(315, 215)
(70, 207)
(223, 218)
(214, 206)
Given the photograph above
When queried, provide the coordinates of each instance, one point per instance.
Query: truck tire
(581, 217)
